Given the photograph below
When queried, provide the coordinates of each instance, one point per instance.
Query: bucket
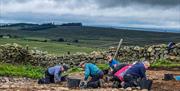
(73, 82)
(177, 78)
(145, 84)
(168, 77)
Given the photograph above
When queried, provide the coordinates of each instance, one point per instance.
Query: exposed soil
(25, 84)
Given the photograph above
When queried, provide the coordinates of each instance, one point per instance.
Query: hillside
(21, 63)
(90, 36)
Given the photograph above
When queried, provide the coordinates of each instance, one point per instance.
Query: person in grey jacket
(53, 74)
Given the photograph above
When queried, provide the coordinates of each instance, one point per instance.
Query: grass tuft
(164, 63)
(21, 70)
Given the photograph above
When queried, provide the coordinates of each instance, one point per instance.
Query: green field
(51, 47)
(92, 36)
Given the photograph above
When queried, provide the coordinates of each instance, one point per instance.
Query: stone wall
(150, 53)
(14, 53)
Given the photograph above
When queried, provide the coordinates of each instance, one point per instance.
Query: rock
(112, 48)
(137, 48)
(11, 79)
(12, 86)
(157, 49)
(128, 89)
(138, 88)
(62, 89)
(150, 49)
(4, 86)
(134, 90)
(6, 79)
(172, 57)
(144, 90)
(122, 88)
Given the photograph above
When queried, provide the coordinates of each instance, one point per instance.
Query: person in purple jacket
(53, 74)
(136, 73)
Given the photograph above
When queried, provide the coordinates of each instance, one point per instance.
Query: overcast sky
(126, 13)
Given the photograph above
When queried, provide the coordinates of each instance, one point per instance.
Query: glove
(83, 84)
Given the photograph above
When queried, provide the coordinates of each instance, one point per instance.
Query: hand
(111, 70)
(115, 65)
(83, 84)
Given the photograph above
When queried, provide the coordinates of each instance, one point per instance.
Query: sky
(119, 13)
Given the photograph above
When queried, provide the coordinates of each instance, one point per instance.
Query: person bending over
(94, 72)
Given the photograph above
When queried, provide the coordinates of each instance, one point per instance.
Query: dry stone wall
(150, 53)
(17, 54)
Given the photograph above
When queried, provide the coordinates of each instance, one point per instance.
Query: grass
(164, 63)
(28, 70)
(103, 66)
(36, 39)
(94, 36)
(78, 69)
(38, 72)
(34, 71)
(51, 47)
(21, 70)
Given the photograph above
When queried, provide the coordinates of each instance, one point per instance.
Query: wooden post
(120, 42)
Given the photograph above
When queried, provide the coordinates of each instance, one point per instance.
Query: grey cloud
(117, 3)
(114, 3)
(94, 12)
(9, 1)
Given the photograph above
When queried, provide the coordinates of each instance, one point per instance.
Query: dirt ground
(25, 84)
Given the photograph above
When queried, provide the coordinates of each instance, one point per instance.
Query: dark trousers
(131, 80)
(47, 80)
(116, 82)
(170, 50)
(95, 81)
(49, 77)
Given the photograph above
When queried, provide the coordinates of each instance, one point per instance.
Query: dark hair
(65, 67)
(110, 54)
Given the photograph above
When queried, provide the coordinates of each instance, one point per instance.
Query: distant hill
(92, 36)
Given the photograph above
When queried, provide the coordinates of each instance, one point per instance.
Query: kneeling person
(135, 74)
(53, 74)
(94, 72)
(118, 76)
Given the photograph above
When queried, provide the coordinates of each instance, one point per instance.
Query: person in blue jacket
(112, 62)
(170, 46)
(136, 73)
(91, 70)
(53, 74)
